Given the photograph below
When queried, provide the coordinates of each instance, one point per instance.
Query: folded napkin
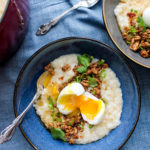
(82, 22)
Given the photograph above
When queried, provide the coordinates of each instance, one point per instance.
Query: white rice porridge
(110, 90)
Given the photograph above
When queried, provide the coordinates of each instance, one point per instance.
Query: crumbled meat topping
(94, 71)
(140, 42)
(61, 78)
(137, 35)
(66, 67)
(62, 86)
(50, 69)
(71, 126)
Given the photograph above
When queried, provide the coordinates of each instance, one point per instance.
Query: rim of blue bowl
(73, 38)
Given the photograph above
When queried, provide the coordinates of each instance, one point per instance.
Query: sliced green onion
(101, 62)
(80, 126)
(128, 42)
(58, 119)
(94, 92)
(50, 99)
(104, 100)
(141, 48)
(78, 79)
(91, 126)
(53, 116)
(92, 58)
(103, 74)
(58, 133)
(92, 82)
(71, 122)
(50, 105)
(58, 114)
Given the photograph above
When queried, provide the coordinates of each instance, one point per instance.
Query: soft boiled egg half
(73, 97)
(146, 16)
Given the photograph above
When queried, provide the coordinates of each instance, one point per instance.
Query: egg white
(98, 118)
(77, 89)
(146, 16)
(71, 89)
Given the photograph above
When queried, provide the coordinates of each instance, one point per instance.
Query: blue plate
(32, 128)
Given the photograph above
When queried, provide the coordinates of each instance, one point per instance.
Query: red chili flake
(131, 14)
(61, 78)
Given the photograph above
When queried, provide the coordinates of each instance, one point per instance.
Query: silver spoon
(8, 132)
(43, 29)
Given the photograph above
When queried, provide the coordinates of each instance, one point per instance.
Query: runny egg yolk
(89, 107)
(47, 80)
(53, 90)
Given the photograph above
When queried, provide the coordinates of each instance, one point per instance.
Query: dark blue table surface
(80, 23)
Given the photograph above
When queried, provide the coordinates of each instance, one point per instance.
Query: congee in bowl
(81, 101)
(89, 93)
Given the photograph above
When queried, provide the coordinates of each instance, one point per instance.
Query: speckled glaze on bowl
(32, 128)
(115, 33)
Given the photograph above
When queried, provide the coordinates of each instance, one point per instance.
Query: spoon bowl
(44, 28)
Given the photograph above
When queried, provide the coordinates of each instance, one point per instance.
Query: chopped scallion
(91, 126)
(103, 73)
(71, 122)
(80, 126)
(58, 119)
(101, 62)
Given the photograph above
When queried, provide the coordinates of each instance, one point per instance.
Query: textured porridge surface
(125, 7)
(110, 91)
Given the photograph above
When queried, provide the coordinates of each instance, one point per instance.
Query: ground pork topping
(89, 73)
(138, 35)
(66, 67)
(70, 125)
(50, 69)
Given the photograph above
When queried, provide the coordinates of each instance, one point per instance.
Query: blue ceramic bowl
(32, 128)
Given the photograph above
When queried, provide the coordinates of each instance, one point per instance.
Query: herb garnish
(101, 62)
(58, 119)
(91, 126)
(134, 11)
(132, 30)
(128, 42)
(71, 122)
(141, 23)
(58, 114)
(94, 92)
(103, 74)
(50, 105)
(141, 48)
(53, 116)
(78, 79)
(82, 69)
(92, 82)
(81, 126)
(58, 133)
(84, 60)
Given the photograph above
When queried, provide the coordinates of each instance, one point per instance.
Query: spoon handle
(43, 29)
(8, 132)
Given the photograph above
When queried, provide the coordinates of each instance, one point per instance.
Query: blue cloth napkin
(82, 23)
